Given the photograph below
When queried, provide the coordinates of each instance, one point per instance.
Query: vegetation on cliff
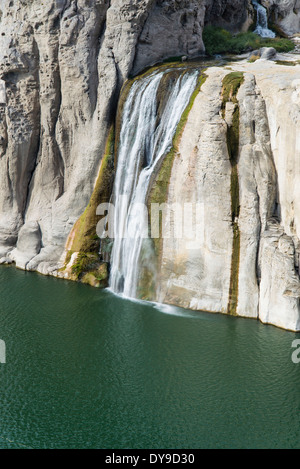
(88, 267)
(220, 41)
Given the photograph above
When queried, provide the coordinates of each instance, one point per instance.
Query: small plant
(253, 58)
(83, 263)
(90, 270)
(287, 63)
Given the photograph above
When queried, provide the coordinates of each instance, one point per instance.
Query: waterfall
(262, 21)
(146, 136)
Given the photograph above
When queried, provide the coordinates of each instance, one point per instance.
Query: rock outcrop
(28, 245)
(284, 13)
(264, 259)
(235, 15)
(62, 65)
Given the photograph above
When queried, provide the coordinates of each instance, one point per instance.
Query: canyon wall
(284, 13)
(244, 263)
(62, 66)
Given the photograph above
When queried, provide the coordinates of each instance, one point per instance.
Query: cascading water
(145, 138)
(262, 28)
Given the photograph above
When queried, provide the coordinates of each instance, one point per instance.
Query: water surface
(86, 369)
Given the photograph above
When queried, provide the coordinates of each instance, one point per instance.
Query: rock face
(62, 66)
(28, 245)
(184, 20)
(285, 13)
(189, 265)
(199, 274)
(234, 15)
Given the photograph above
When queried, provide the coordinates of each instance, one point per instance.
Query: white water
(143, 144)
(262, 28)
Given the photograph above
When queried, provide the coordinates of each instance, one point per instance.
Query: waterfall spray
(262, 28)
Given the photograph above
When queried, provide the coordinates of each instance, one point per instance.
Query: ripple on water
(88, 369)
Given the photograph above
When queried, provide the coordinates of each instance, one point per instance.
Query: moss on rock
(148, 272)
(98, 277)
(231, 86)
(89, 270)
(83, 238)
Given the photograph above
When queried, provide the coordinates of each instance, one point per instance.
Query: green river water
(86, 369)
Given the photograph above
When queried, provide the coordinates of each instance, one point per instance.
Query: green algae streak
(159, 195)
(231, 86)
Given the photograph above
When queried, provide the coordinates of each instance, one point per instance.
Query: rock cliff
(62, 66)
(284, 13)
(246, 264)
(235, 15)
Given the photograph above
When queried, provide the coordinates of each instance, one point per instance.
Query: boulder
(268, 53)
(28, 245)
